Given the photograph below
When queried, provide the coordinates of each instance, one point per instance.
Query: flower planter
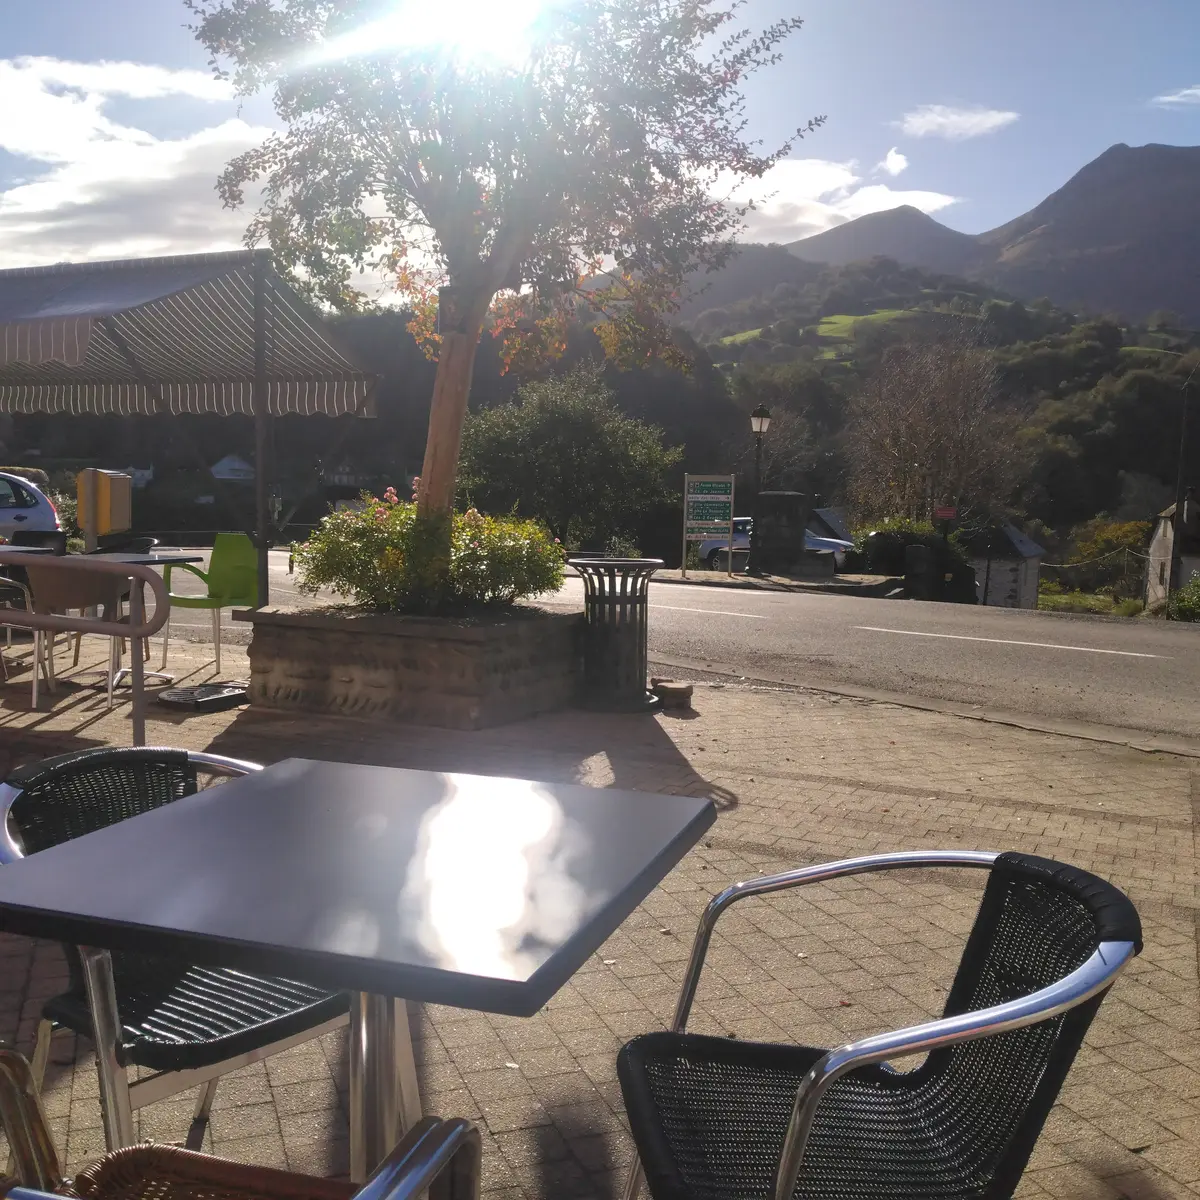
(469, 673)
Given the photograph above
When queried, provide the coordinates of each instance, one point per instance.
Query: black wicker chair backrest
(65, 797)
(1038, 921)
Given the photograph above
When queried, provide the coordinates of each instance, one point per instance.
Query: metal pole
(137, 601)
(384, 1098)
(683, 567)
(261, 429)
(729, 558)
(1180, 492)
(115, 1109)
(752, 567)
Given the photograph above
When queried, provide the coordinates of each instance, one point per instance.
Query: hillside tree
(931, 426)
(595, 171)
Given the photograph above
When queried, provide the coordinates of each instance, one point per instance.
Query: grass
(738, 339)
(1088, 602)
(840, 327)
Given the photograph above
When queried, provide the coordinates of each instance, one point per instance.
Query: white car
(712, 552)
(24, 508)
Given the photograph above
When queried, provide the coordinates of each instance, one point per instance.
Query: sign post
(707, 512)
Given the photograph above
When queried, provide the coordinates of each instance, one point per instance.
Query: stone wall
(456, 674)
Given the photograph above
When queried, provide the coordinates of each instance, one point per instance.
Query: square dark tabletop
(152, 558)
(465, 890)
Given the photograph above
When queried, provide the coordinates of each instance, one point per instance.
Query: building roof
(176, 334)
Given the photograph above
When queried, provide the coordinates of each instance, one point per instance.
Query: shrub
(1128, 608)
(621, 545)
(882, 545)
(383, 556)
(1184, 604)
(67, 507)
(35, 475)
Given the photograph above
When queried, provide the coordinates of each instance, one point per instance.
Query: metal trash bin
(615, 610)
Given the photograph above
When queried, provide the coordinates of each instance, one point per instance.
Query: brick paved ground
(798, 778)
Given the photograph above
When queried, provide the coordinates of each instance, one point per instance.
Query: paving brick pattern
(798, 778)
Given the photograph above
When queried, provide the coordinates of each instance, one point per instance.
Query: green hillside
(832, 313)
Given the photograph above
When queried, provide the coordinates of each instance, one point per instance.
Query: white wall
(1013, 583)
(1158, 565)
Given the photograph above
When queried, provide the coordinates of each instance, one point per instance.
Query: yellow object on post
(105, 503)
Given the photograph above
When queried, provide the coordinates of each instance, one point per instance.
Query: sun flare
(488, 30)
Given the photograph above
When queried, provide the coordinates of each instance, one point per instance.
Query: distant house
(830, 522)
(1158, 569)
(233, 470)
(1007, 566)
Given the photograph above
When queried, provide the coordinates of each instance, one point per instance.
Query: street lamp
(760, 422)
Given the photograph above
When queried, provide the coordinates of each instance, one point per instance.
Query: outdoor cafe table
(137, 608)
(106, 561)
(464, 890)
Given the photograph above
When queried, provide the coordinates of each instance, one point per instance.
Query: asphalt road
(1141, 675)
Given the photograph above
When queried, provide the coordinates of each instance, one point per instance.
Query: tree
(927, 428)
(585, 173)
(563, 453)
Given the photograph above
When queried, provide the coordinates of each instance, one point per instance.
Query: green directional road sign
(715, 511)
(710, 487)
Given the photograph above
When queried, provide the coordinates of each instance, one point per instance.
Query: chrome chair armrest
(219, 764)
(10, 848)
(15, 585)
(816, 874)
(215, 764)
(441, 1157)
(1094, 976)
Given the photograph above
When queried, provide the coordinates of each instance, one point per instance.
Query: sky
(112, 130)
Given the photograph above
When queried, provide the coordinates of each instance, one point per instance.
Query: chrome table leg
(115, 1109)
(384, 1098)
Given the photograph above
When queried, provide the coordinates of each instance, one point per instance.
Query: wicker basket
(168, 1173)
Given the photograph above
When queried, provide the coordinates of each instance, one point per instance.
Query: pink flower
(557, 542)
(381, 514)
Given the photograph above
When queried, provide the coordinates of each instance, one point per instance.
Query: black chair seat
(710, 1116)
(176, 1017)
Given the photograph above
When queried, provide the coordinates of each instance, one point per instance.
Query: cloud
(1187, 95)
(894, 162)
(96, 188)
(802, 196)
(954, 124)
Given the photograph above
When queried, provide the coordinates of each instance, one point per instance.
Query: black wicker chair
(715, 1118)
(189, 1025)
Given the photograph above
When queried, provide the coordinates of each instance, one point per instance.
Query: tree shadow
(633, 752)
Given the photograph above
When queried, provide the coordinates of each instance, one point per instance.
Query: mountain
(1120, 236)
(905, 234)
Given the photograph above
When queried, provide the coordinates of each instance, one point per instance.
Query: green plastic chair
(232, 581)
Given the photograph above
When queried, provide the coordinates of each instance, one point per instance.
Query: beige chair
(58, 591)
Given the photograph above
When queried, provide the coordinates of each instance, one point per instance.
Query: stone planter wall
(457, 674)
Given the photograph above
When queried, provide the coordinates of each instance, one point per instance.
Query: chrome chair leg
(41, 1052)
(634, 1183)
(115, 1108)
(204, 1101)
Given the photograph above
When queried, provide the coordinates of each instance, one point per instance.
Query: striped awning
(167, 335)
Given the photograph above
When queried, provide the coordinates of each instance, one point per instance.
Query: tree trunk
(460, 318)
